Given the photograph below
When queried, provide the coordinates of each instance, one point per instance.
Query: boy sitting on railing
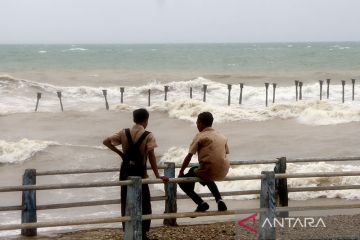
(137, 145)
(212, 150)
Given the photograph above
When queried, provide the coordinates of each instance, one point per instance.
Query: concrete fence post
(59, 96)
(133, 228)
(170, 193)
(281, 190)
(267, 200)
(274, 88)
(241, 92)
(266, 93)
(105, 97)
(28, 213)
(321, 85)
(38, 96)
(122, 94)
(204, 89)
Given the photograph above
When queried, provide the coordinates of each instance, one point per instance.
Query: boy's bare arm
(185, 164)
(107, 142)
(152, 160)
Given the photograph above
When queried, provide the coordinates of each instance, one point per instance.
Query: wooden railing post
(321, 84)
(274, 89)
(149, 96)
(281, 191)
(353, 88)
(122, 89)
(59, 96)
(296, 89)
(133, 228)
(300, 90)
(229, 94)
(170, 193)
(343, 90)
(28, 213)
(267, 200)
(204, 89)
(327, 88)
(38, 96)
(266, 92)
(166, 89)
(241, 91)
(106, 101)
(190, 92)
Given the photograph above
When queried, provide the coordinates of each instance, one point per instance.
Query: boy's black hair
(140, 115)
(206, 118)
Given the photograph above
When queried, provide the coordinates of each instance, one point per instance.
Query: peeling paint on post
(105, 96)
(28, 214)
(274, 88)
(296, 89)
(229, 94)
(266, 93)
(204, 89)
(343, 90)
(122, 95)
(59, 96)
(327, 88)
(241, 91)
(170, 193)
(321, 84)
(300, 90)
(133, 228)
(353, 89)
(38, 96)
(166, 89)
(267, 200)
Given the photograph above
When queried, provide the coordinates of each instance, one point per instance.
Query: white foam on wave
(177, 154)
(75, 49)
(20, 96)
(15, 152)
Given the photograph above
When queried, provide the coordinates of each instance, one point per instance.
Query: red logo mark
(242, 223)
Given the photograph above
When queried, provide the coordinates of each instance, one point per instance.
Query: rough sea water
(50, 139)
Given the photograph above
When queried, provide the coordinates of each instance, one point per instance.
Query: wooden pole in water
(28, 214)
(296, 89)
(204, 89)
(122, 95)
(149, 95)
(267, 200)
(300, 92)
(170, 193)
(133, 228)
(266, 91)
(274, 88)
(105, 96)
(166, 89)
(190, 92)
(327, 88)
(321, 84)
(229, 94)
(38, 96)
(343, 90)
(353, 89)
(59, 96)
(241, 91)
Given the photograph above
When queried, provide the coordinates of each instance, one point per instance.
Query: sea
(52, 139)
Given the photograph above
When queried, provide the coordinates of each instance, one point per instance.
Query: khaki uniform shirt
(212, 148)
(136, 131)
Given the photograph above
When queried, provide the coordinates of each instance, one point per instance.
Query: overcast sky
(178, 21)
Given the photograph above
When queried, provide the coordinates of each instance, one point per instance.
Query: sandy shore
(337, 227)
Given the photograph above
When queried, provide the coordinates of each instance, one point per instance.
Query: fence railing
(273, 196)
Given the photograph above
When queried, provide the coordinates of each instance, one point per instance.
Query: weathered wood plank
(170, 193)
(28, 213)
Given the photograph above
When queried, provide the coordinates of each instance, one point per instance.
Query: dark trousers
(188, 188)
(146, 206)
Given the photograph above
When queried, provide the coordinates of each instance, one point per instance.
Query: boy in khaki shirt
(212, 150)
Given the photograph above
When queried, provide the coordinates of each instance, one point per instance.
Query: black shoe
(202, 207)
(221, 205)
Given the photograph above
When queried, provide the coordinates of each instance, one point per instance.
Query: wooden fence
(273, 196)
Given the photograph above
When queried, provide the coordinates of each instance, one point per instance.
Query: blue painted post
(267, 200)
(170, 193)
(133, 228)
(105, 96)
(28, 214)
(38, 96)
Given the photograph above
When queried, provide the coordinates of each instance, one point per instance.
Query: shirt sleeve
(227, 148)
(150, 143)
(116, 138)
(194, 146)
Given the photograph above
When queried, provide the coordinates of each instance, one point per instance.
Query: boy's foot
(221, 205)
(202, 207)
